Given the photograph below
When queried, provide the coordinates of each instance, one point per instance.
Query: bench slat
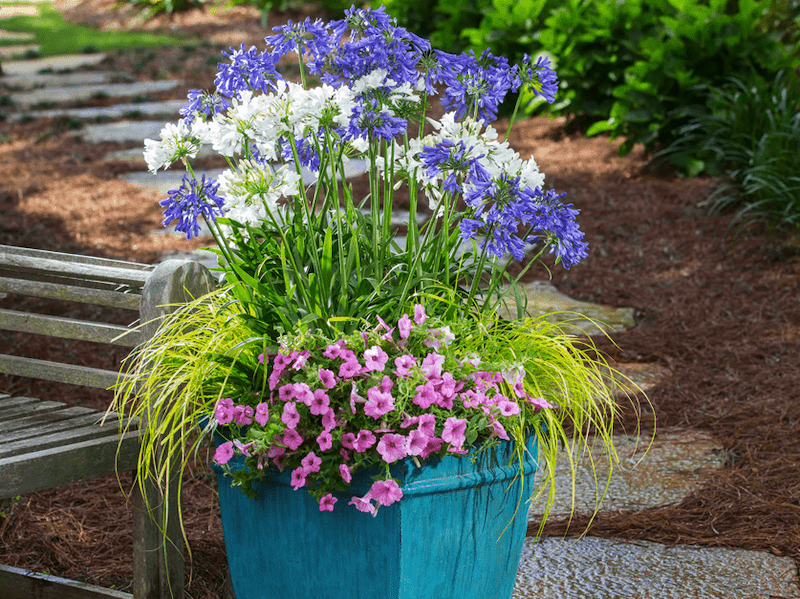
(40, 442)
(51, 468)
(53, 371)
(41, 429)
(6, 401)
(68, 328)
(25, 584)
(43, 289)
(36, 418)
(75, 270)
(19, 411)
(77, 258)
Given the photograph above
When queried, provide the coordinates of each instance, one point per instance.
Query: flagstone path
(676, 462)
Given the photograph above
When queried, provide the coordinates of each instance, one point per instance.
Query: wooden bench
(46, 444)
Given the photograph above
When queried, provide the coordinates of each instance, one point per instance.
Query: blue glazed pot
(457, 533)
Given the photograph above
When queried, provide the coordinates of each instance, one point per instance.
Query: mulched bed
(720, 309)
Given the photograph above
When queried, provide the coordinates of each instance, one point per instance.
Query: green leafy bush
(750, 134)
(637, 68)
(440, 21)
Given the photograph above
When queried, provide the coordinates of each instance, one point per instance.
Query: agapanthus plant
(290, 232)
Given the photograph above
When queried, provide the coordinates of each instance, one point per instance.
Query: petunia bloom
(392, 447)
(326, 503)
(386, 492)
(224, 453)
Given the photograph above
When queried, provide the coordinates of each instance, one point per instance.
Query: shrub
(751, 134)
(637, 68)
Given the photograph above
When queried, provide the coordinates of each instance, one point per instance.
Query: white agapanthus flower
(252, 190)
(176, 142)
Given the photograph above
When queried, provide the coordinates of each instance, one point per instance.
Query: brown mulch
(721, 311)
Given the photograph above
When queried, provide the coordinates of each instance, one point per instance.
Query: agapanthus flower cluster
(377, 79)
(331, 407)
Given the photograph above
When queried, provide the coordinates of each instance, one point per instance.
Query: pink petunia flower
(325, 440)
(386, 384)
(364, 441)
(427, 424)
(391, 447)
(386, 492)
(375, 359)
(432, 365)
(326, 503)
(286, 392)
(329, 420)
(224, 453)
(347, 476)
(453, 432)
(302, 392)
(348, 440)
(223, 411)
(275, 451)
(539, 402)
(300, 359)
(434, 445)
(311, 462)
(244, 448)
(508, 407)
(290, 417)
(349, 368)
(404, 326)
(243, 415)
(499, 431)
(282, 361)
(363, 504)
(261, 358)
(262, 413)
(292, 439)
(426, 395)
(327, 378)
(298, 478)
(419, 314)
(378, 403)
(332, 351)
(416, 442)
(403, 365)
(320, 403)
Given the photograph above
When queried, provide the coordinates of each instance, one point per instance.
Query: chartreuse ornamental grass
(54, 35)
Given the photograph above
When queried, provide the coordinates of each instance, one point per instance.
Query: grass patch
(54, 35)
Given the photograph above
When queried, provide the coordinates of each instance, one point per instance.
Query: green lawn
(54, 35)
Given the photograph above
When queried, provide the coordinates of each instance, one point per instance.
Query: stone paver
(594, 568)
(165, 108)
(122, 131)
(16, 35)
(56, 63)
(577, 316)
(671, 467)
(81, 93)
(17, 50)
(31, 81)
(17, 10)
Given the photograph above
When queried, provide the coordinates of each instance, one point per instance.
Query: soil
(719, 308)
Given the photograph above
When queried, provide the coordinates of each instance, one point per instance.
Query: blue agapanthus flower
(540, 76)
(192, 200)
(504, 208)
(248, 70)
(202, 102)
(474, 83)
(309, 39)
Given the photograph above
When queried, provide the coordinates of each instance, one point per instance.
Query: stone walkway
(589, 568)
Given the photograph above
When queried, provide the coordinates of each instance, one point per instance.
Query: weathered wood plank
(59, 439)
(101, 297)
(68, 328)
(29, 409)
(59, 466)
(78, 258)
(55, 371)
(74, 270)
(91, 418)
(7, 401)
(17, 583)
(33, 420)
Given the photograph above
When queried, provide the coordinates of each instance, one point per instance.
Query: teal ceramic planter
(456, 534)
